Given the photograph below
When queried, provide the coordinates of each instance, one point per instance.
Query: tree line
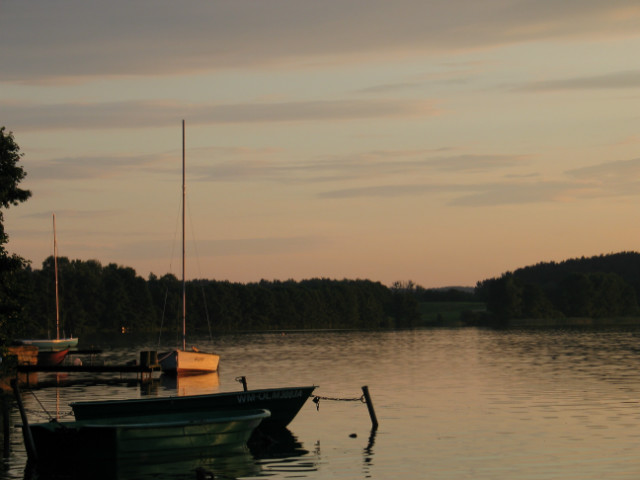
(112, 298)
(603, 286)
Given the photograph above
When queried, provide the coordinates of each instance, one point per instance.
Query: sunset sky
(443, 142)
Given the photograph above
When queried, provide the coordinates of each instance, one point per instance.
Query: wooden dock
(147, 365)
(90, 368)
(26, 369)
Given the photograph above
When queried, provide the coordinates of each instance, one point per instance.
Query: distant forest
(96, 298)
(112, 298)
(605, 286)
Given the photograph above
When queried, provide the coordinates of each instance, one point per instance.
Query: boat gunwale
(187, 397)
(220, 417)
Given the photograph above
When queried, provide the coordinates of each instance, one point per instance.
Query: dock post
(372, 413)
(28, 439)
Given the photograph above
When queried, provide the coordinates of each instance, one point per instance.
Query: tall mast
(55, 268)
(184, 290)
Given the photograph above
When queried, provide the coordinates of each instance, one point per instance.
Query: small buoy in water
(353, 435)
(77, 362)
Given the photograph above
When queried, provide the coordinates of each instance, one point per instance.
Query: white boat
(52, 351)
(186, 361)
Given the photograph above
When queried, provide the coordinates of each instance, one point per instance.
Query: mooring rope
(44, 409)
(41, 405)
(317, 398)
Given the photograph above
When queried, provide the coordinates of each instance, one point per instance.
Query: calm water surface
(452, 404)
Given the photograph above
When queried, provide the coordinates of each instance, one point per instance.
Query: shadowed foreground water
(452, 404)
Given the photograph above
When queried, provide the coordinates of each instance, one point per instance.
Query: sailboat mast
(184, 290)
(55, 268)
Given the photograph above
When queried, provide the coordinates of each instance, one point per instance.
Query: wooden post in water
(372, 413)
(28, 439)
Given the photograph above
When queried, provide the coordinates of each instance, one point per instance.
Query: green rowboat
(145, 437)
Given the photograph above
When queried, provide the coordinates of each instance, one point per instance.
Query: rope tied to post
(317, 398)
(364, 398)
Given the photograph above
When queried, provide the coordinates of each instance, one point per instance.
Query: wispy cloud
(93, 167)
(74, 38)
(75, 214)
(604, 180)
(393, 87)
(616, 80)
(266, 165)
(270, 164)
(139, 114)
(390, 191)
(616, 178)
(516, 193)
(477, 195)
(477, 163)
(619, 169)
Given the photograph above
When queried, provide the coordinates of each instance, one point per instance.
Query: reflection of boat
(281, 455)
(283, 403)
(146, 437)
(52, 351)
(209, 464)
(191, 384)
(279, 443)
(185, 361)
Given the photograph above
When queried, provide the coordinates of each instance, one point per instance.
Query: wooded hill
(605, 286)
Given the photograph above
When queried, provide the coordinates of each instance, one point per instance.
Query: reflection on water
(231, 465)
(451, 403)
(278, 452)
(191, 384)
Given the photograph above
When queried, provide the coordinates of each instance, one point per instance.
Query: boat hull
(185, 362)
(51, 352)
(146, 437)
(52, 358)
(283, 403)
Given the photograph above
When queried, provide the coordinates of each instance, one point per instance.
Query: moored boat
(183, 361)
(52, 351)
(283, 403)
(187, 362)
(145, 437)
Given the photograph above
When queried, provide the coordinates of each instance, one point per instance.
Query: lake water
(451, 403)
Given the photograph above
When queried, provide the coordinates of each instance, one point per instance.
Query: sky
(442, 142)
